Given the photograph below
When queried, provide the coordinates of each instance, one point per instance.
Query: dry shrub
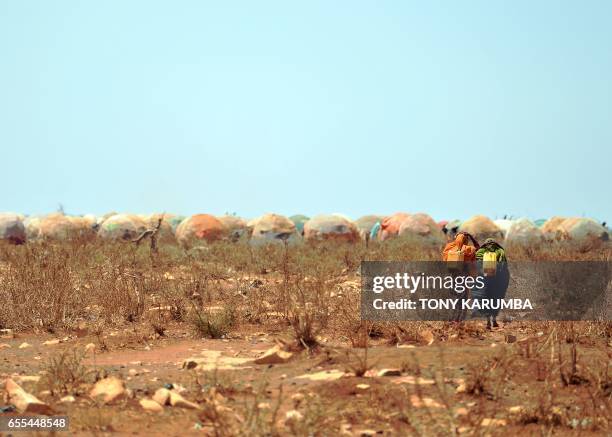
(209, 323)
(490, 377)
(64, 373)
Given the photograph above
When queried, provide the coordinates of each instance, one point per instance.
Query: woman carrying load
(462, 255)
(496, 277)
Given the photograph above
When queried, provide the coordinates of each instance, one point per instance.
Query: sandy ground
(146, 364)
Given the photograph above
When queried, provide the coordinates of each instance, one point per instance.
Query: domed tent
(481, 228)
(524, 232)
(122, 227)
(103, 217)
(390, 226)
(552, 228)
(199, 229)
(299, 220)
(32, 227)
(423, 229)
(91, 220)
(235, 227)
(272, 228)
(584, 233)
(366, 223)
(12, 228)
(330, 227)
(84, 225)
(58, 226)
(503, 224)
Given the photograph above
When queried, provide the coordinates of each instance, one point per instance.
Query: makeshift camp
(122, 227)
(12, 229)
(272, 228)
(523, 232)
(299, 220)
(330, 227)
(390, 226)
(235, 227)
(584, 233)
(366, 223)
(421, 228)
(199, 229)
(481, 228)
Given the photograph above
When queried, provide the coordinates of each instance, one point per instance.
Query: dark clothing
(495, 288)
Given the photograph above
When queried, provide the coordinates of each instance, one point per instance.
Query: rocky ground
(132, 382)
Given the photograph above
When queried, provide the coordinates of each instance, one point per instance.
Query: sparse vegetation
(307, 298)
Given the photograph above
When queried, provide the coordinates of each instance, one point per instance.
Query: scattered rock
(516, 409)
(274, 355)
(510, 338)
(5, 346)
(362, 387)
(212, 360)
(419, 402)
(426, 337)
(162, 396)
(133, 372)
(68, 399)
(486, 422)
(389, 372)
(325, 375)
(27, 378)
(345, 429)
(409, 379)
(24, 401)
(110, 389)
(176, 400)
(297, 398)
(51, 342)
(461, 386)
(461, 411)
(150, 405)
(367, 433)
(7, 333)
(90, 347)
(24, 345)
(293, 416)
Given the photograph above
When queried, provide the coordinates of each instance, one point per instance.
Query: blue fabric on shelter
(374, 231)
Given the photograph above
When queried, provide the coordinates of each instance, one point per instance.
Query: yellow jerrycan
(489, 263)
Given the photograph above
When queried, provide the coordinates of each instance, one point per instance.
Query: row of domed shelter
(204, 228)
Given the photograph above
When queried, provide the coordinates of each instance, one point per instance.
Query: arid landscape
(238, 339)
(313, 219)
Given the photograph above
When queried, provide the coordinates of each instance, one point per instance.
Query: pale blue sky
(451, 108)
